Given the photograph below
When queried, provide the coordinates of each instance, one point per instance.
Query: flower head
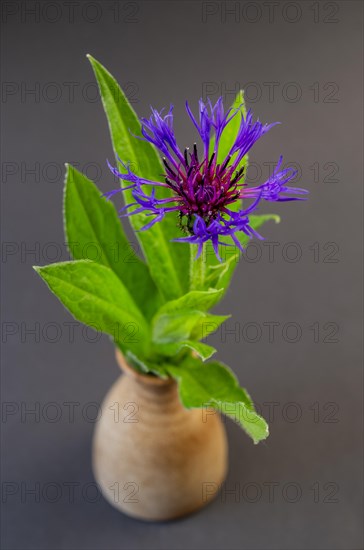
(203, 189)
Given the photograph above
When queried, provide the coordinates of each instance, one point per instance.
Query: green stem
(197, 268)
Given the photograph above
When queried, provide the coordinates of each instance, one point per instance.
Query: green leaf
(170, 350)
(215, 385)
(251, 422)
(207, 325)
(173, 327)
(96, 296)
(228, 137)
(145, 367)
(201, 382)
(168, 263)
(228, 254)
(219, 275)
(186, 325)
(230, 132)
(197, 300)
(93, 228)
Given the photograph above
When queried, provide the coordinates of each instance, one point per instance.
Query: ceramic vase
(152, 458)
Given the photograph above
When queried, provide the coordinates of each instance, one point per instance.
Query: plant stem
(197, 268)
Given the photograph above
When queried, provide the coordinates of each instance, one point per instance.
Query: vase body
(152, 458)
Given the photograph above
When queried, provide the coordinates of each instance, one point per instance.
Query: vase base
(161, 518)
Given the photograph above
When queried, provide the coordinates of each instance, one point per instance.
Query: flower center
(203, 188)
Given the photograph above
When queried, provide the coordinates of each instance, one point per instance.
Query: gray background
(165, 52)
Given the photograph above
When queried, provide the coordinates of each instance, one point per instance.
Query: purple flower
(203, 189)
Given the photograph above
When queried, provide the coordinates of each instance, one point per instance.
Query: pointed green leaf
(168, 263)
(251, 422)
(201, 382)
(96, 296)
(215, 385)
(207, 325)
(94, 231)
(196, 300)
(173, 327)
(230, 132)
(228, 254)
(228, 137)
(185, 325)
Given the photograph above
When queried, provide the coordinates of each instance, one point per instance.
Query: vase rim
(145, 378)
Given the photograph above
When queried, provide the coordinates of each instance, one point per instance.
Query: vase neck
(163, 389)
